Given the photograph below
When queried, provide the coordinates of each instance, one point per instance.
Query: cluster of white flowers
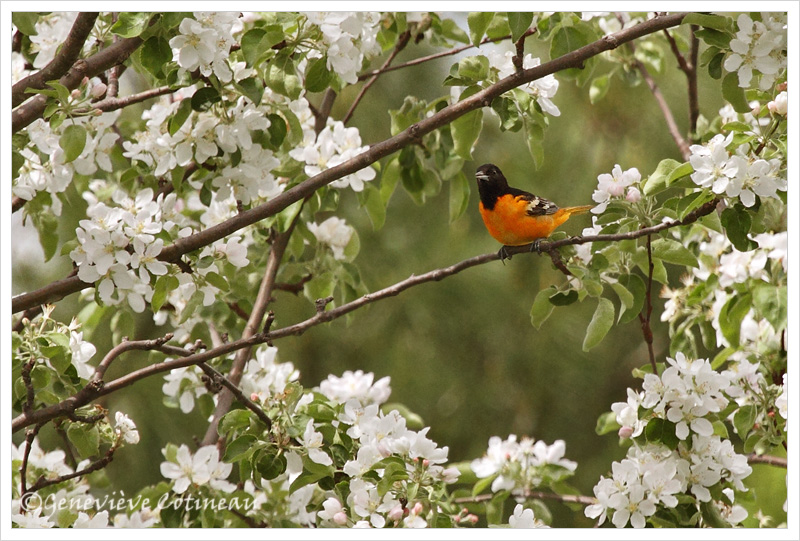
(333, 232)
(736, 175)
(104, 238)
(543, 90)
(201, 468)
(264, 378)
(617, 184)
(652, 476)
(125, 428)
(686, 392)
(349, 38)
(523, 518)
(520, 465)
(759, 46)
(52, 174)
(205, 42)
(334, 145)
(379, 435)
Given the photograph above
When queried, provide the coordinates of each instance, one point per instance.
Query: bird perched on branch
(515, 217)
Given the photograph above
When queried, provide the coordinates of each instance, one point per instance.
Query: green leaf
(737, 221)
(478, 22)
(164, 284)
(772, 302)
(564, 299)
(235, 420)
(519, 23)
(374, 205)
(179, 117)
(239, 448)
(72, 141)
(317, 75)
(459, 195)
(253, 89)
(282, 75)
(252, 45)
(542, 307)
(606, 423)
(672, 251)
(714, 38)
(716, 22)
(733, 94)
(601, 323)
(625, 296)
(599, 88)
(731, 316)
(661, 431)
(155, 54)
(634, 284)
(85, 438)
(205, 98)
(535, 136)
(466, 129)
(130, 24)
(472, 69)
(25, 21)
(565, 40)
(217, 281)
(744, 419)
(483, 484)
(271, 465)
(715, 66)
(658, 181)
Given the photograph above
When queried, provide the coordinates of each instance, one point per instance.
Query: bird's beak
(481, 176)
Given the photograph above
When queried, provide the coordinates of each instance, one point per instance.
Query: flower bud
(254, 397)
(340, 518)
(472, 518)
(633, 195)
(779, 105)
(99, 90)
(425, 462)
(395, 513)
(625, 432)
(75, 93)
(417, 508)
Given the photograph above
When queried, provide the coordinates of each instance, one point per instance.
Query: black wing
(537, 206)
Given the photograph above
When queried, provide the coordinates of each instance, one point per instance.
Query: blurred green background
(461, 353)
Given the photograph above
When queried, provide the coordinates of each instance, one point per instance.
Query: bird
(515, 217)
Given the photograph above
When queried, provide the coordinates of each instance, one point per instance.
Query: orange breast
(509, 223)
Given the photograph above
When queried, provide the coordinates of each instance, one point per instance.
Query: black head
(491, 184)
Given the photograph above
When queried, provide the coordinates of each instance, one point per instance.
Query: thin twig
(532, 495)
(43, 482)
(30, 435)
(644, 318)
(753, 458)
(321, 115)
(128, 345)
(58, 290)
(114, 103)
(434, 56)
(402, 41)
(246, 402)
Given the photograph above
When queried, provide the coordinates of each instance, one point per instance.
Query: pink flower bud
(340, 518)
(425, 462)
(417, 508)
(779, 105)
(75, 93)
(99, 90)
(472, 518)
(633, 195)
(625, 432)
(395, 513)
(254, 397)
(84, 81)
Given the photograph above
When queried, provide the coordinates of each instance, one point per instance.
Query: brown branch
(753, 458)
(228, 384)
(61, 62)
(30, 435)
(112, 55)
(253, 326)
(90, 392)
(128, 345)
(434, 56)
(689, 68)
(401, 44)
(321, 115)
(173, 252)
(672, 126)
(113, 103)
(644, 318)
(532, 495)
(43, 481)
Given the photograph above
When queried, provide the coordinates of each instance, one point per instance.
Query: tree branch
(96, 389)
(113, 103)
(401, 44)
(434, 56)
(235, 391)
(112, 55)
(61, 62)
(532, 495)
(767, 459)
(252, 327)
(644, 316)
(173, 252)
(128, 345)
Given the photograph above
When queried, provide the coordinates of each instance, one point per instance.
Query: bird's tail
(583, 209)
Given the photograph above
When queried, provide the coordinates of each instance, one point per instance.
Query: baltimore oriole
(515, 217)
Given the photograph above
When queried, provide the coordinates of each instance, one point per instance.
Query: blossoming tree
(230, 183)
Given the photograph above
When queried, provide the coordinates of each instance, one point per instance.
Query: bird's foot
(503, 253)
(536, 246)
